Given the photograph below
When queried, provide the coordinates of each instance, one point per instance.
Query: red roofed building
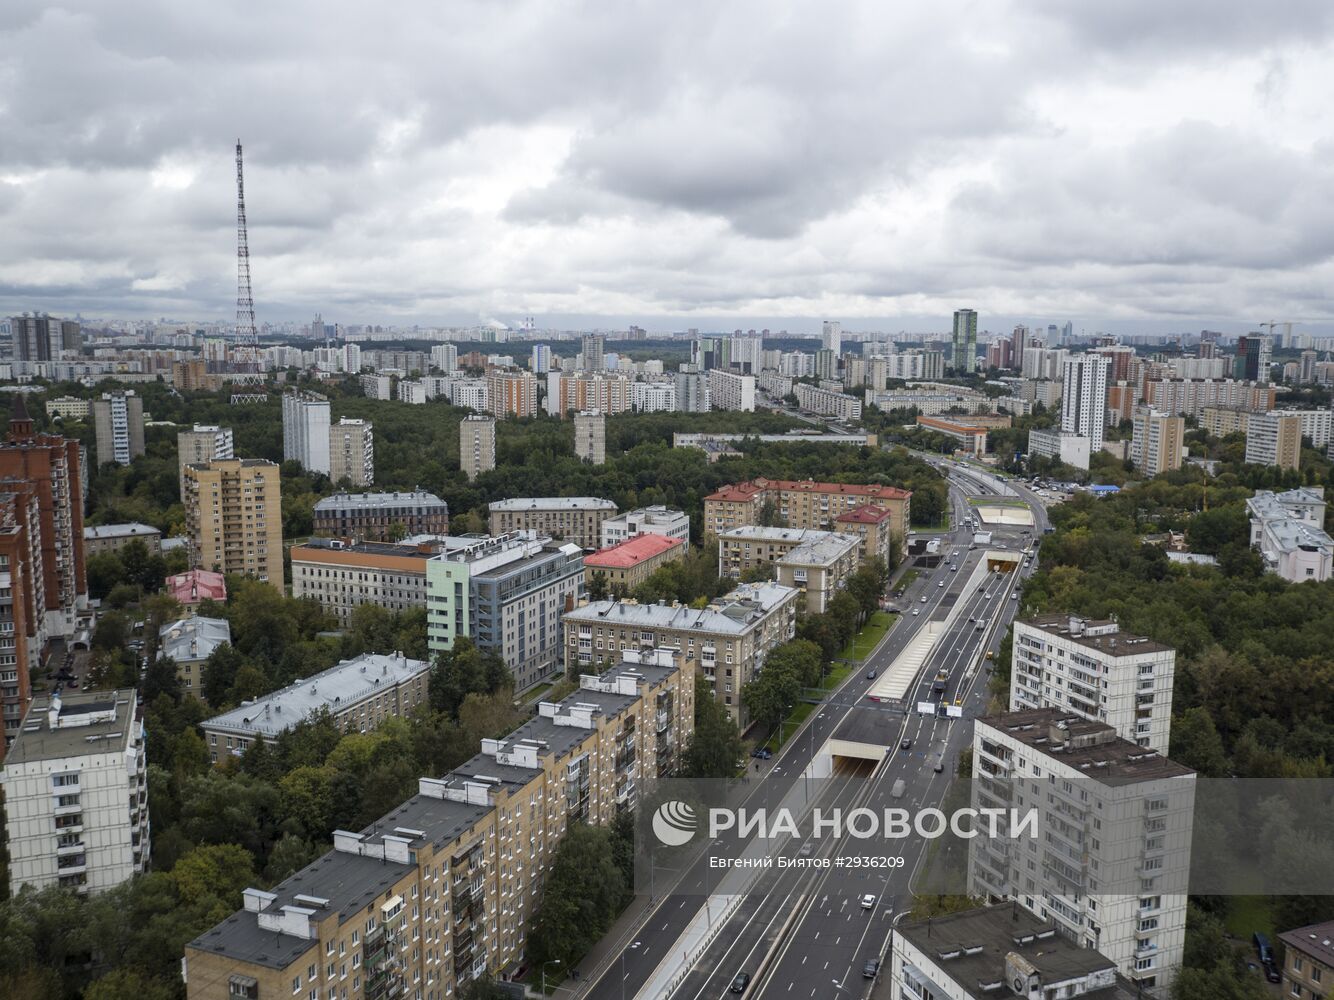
(197, 585)
(629, 563)
(802, 504)
(875, 524)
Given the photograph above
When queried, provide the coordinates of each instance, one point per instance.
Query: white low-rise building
(1072, 449)
(189, 643)
(76, 793)
(1288, 531)
(656, 520)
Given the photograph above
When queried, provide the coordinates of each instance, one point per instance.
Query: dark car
(762, 753)
(905, 744)
(1263, 948)
(740, 983)
(870, 675)
(1272, 973)
(871, 968)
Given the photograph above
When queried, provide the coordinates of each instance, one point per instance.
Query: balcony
(70, 849)
(662, 720)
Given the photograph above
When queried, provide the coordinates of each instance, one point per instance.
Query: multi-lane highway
(809, 935)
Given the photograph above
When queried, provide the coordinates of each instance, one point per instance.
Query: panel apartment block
(1095, 670)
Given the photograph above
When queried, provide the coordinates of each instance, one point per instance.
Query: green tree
(462, 670)
(128, 984)
(1196, 743)
(583, 893)
(218, 870)
(715, 744)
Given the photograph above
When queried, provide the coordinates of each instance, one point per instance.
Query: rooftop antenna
(247, 339)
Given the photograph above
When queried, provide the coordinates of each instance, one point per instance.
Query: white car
(868, 901)
(916, 612)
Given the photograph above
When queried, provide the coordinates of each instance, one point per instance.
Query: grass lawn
(533, 693)
(833, 679)
(906, 580)
(869, 637)
(1248, 914)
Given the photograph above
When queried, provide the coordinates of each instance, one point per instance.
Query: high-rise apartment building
(539, 362)
(831, 336)
(445, 357)
(1111, 864)
(201, 443)
(352, 452)
(511, 394)
(826, 364)
(76, 793)
(606, 392)
(23, 633)
(1097, 671)
(729, 391)
(306, 430)
(51, 466)
(190, 375)
(474, 846)
(119, 420)
(477, 445)
(507, 594)
(1155, 445)
(1084, 398)
(593, 352)
(1252, 360)
(1274, 438)
(692, 391)
(590, 437)
(234, 517)
(964, 341)
(36, 338)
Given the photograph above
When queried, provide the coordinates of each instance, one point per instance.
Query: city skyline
(1142, 164)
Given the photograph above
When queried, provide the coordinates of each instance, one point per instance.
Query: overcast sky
(1137, 164)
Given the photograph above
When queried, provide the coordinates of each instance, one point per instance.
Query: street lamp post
(554, 961)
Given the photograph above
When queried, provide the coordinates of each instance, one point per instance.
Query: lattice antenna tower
(247, 337)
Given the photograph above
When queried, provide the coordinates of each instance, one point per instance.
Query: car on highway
(941, 583)
(807, 849)
(740, 983)
(923, 598)
(871, 968)
(954, 569)
(870, 675)
(868, 901)
(916, 612)
(939, 764)
(905, 743)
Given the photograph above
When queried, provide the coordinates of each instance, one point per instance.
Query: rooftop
(746, 491)
(867, 513)
(193, 639)
(420, 547)
(1090, 747)
(1103, 635)
(197, 585)
(732, 614)
(654, 513)
(1316, 940)
(552, 503)
(73, 724)
(107, 531)
(974, 947)
(341, 685)
(339, 501)
(632, 551)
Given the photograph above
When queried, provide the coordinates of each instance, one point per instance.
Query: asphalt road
(813, 939)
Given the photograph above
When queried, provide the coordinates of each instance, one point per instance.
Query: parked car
(763, 753)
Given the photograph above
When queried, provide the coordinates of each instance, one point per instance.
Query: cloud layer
(438, 163)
